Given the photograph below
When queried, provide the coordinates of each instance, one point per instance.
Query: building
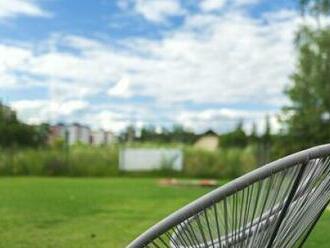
(84, 135)
(99, 137)
(102, 137)
(110, 138)
(73, 133)
(78, 133)
(209, 141)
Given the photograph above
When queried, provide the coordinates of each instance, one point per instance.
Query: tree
(254, 134)
(236, 138)
(266, 137)
(315, 8)
(265, 145)
(15, 133)
(307, 117)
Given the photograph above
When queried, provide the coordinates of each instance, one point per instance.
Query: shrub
(91, 161)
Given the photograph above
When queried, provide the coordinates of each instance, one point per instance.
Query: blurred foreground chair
(276, 205)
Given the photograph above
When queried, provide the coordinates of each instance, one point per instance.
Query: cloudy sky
(110, 63)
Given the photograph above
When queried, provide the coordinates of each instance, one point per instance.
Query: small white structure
(143, 159)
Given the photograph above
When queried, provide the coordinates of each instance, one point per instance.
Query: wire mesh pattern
(279, 209)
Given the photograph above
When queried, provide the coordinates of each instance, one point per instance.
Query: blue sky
(111, 63)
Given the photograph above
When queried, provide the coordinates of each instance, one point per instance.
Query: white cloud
(11, 57)
(23, 105)
(108, 120)
(122, 88)
(34, 111)
(67, 108)
(229, 58)
(241, 3)
(31, 111)
(212, 5)
(13, 8)
(158, 10)
(209, 5)
(225, 119)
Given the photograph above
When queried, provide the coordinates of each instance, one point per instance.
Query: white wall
(109, 138)
(99, 137)
(85, 134)
(143, 159)
(73, 131)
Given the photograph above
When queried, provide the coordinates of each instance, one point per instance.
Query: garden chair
(276, 205)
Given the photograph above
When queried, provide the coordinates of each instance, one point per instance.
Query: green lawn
(53, 212)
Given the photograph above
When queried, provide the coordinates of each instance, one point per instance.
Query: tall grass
(225, 163)
(82, 161)
(77, 161)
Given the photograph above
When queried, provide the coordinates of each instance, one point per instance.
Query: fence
(144, 159)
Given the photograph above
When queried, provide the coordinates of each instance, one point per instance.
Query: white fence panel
(144, 159)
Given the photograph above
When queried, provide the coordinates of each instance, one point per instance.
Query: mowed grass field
(65, 212)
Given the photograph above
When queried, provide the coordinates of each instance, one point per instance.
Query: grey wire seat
(276, 205)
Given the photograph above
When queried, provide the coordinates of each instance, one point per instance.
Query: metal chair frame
(276, 219)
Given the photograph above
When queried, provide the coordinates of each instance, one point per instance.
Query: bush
(89, 161)
(224, 164)
(78, 161)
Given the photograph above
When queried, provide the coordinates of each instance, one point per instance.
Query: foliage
(15, 133)
(236, 138)
(315, 8)
(225, 163)
(176, 134)
(307, 118)
(81, 161)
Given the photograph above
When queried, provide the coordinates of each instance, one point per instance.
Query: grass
(89, 161)
(64, 212)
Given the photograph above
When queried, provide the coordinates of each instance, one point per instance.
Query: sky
(203, 64)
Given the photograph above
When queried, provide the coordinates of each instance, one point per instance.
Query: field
(64, 212)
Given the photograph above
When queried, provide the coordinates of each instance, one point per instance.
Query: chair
(276, 205)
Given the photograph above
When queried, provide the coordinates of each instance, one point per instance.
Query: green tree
(254, 134)
(15, 133)
(307, 117)
(236, 138)
(315, 8)
(266, 143)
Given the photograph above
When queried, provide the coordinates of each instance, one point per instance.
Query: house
(209, 141)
